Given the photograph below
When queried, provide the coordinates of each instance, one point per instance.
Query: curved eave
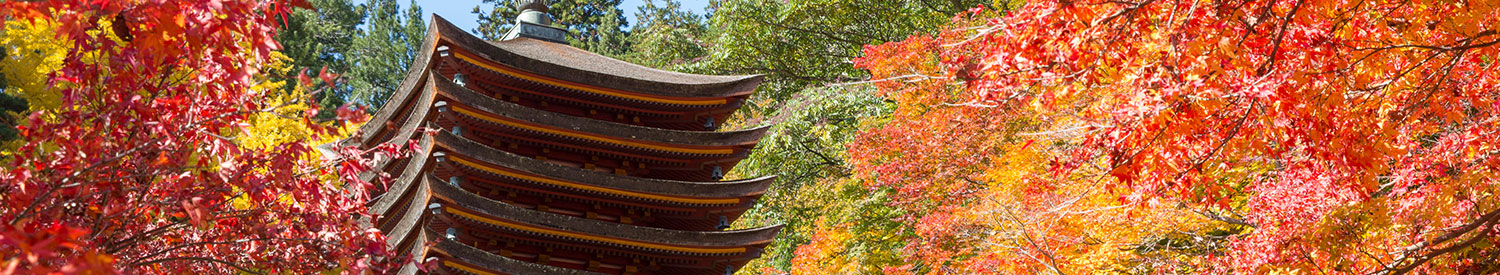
(398, 100)
(491, 156)
(401, 187)
(409, 221)
(473, 260)
(479, 209)
(509, 84)
(417, 252)
(440, 31)
(489, 106)
(404, 133)
(572, 65)
(410, 239)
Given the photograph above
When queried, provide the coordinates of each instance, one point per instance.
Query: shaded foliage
(10, 107)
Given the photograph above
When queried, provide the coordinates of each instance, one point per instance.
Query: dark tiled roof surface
(402, 184)
(490, 155)
(488, 104)
(568, 56)
(475, 256)
(467, 200)
(554, 60)
(416, 117)
(579, 66)
(408, 221)
(494, 156)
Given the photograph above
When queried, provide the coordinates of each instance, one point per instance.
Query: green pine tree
(666, 36)
(315, 39)
(381, 55)
(594, 25)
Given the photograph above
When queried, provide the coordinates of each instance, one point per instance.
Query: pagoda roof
(567, 63)
(456, 255)
(464, 257)
(409, 127)
(594, 129)
(577, 104)
(409, 219)
(472, 207)
(416, 252)
(597, 182)
(478, 105)
(561, 65)
(402, 185)
(613, 184)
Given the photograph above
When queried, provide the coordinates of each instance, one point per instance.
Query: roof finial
(533, 11)
(538, 5)
(533, 22)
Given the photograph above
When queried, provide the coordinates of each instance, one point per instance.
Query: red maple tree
(142, 167)
(1331, 137)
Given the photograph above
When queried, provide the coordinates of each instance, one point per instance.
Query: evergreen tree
(666, 36)
(801, 43)
(381, 55)
(10, 108)
(593, 25)
(320, 38)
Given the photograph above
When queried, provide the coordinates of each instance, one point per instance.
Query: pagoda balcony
(591, 144)
(534, 157)
(572, 242)
(563, 79)
(531, 183)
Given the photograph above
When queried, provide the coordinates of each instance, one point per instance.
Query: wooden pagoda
(548, 159)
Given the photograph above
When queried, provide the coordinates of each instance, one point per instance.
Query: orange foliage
(1196, 136)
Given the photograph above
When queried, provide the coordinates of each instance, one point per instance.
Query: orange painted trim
(551, 181)
(565, 234)
(466, 268)
(497, 119)
(512, 72)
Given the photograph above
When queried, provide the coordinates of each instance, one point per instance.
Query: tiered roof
(539, 158)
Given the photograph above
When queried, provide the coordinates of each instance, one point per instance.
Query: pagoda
(535, 157)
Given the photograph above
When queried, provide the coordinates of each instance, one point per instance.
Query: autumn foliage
(1044, 137)
(169, 151)
(1078, 137)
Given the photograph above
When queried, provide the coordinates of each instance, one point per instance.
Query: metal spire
(533, 22)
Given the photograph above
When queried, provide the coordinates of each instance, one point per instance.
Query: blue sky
(458, 11)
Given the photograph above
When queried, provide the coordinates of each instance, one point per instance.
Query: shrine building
(536, 157)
